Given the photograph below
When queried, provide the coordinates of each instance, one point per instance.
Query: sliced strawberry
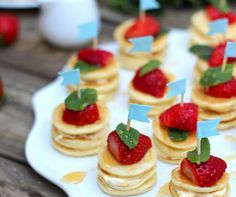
(217, 56)
(147, 26)
(223, 90)
(181, 117)
(123, 153)
(214, 14)
(1, 88)
(80, 118)
(153, 83)
(96, 57)
(205, 174)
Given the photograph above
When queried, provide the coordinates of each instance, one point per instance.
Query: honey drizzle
(164, 190)
(74, 177)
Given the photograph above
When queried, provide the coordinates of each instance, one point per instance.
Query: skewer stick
(95, 43)
(142, 15)
(128, 125)
(199, 148)
(78, 87)
(224, 64)
(222, 3)
(182, 100)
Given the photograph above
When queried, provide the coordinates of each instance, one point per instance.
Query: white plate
(18, 4)
(53, 165)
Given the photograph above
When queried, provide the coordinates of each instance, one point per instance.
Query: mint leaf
(130, 138)
(202, 51)
(177, 135)
(205, 152)
(87, 97)
(151, 65)
(85, 67)
(214, 76)
(222, 5)
(162, 32)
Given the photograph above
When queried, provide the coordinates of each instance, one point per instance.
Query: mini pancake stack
(73, 140)
(212, 107)
(104, 79)
(123, 180)
(199, 29)
(182, 186)
(159, 104)
(167, 150)
(133, 61)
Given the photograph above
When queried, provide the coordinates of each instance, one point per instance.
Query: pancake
(132, 62)
(102, 73)
(159, 44)
(208, 102)
(161, 133)
(225, 125)
(78, 130)
(108, 163)
(74, 152)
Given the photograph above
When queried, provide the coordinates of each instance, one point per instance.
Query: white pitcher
(59, 20)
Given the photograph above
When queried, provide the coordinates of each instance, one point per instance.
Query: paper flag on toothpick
(230, 49)
(149, 5)
(218, 27)
(177, 87)
(88, 30)
(207, 128)
(141, 44)
(70, 77)
(139, 112)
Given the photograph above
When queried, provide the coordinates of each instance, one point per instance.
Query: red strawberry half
(213, 14)
(223, 90)
(205, 174)
(123, 153)
(153, 83)
(181, 117)
(217, 56)
(80, 118)
(147, 26)
(96, 57)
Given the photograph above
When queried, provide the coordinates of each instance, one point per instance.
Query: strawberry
(223, 90)
(96, 57)
(123, 153)
(217, 56)
(147, 26)
(213, 14)
(205, 174)
(80, 118)
(153, 83)
(181, 117)
(9, 28)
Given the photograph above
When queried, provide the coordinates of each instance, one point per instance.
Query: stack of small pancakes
(212, 107)
(167, 150)
(182, 186)
(158, 104)
(123, 180)
(133, 61)
(78, 141)
(105, 80)
(199, 29)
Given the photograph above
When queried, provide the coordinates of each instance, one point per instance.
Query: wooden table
(26, 67)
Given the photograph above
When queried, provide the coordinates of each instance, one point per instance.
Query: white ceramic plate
(53, 165)
(18, 4)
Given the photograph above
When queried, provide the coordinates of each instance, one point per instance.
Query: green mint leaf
(222, 5)
(214, 76)
(202, 51)
(177, 135)
(162, 32)
(151, 65)
(205, 152)
(87, 97)
(85, 67)
(130, 138)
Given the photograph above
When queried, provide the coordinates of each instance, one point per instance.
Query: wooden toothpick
(128, 125)
(182, 100)
(95, 43)
(199, 149)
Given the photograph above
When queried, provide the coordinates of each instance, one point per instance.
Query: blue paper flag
(139, 112)
(141, 44)
(218, 27)
(88, 30)
(70, 77)
(207, 128)
(177, 87)
(230, 49)
(149, 5)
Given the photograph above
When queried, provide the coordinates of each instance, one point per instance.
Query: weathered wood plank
(21, 181)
